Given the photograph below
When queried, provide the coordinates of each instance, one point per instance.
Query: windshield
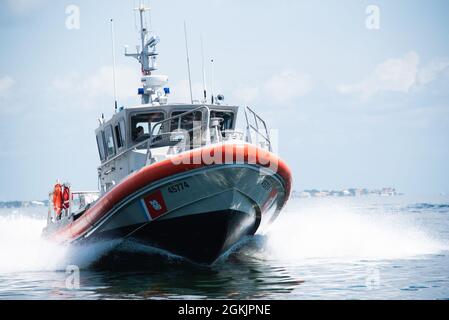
(227, 119)
(187, 122)
(143, 124)
(190, 124)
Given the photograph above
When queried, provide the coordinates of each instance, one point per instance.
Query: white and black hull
(198, 212)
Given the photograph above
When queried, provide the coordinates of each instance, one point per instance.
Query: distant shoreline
(351, 192)
(313, 193)
(23, 204)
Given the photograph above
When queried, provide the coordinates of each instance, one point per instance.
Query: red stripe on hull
(138, 180)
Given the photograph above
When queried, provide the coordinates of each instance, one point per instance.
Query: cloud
(99, 84)
(6, 83)
(394, 75)
(180, 92)
(281, 88)
(432, 70)
(287, 86)
(23, 7)
(246, 95)
(398, 75)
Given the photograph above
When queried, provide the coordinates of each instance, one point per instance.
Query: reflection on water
(152, 276)
(133, 275)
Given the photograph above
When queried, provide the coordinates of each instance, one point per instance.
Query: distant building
(305, 194)
(351, 192)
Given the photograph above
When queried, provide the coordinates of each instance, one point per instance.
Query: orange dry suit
(66, 198)
(57, 199)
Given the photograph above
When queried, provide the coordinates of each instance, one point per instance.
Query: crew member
(57, 200)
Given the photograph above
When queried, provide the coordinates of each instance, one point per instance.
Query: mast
(114, 64)
(204, 72)
(146, 55)
(188, 62)
(212, 88)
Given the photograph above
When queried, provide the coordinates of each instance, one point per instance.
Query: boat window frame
(196, 141)
(120, 133)
(234, 117)
(109, 156)
(143, 112)
(178, 112)
(100, 136)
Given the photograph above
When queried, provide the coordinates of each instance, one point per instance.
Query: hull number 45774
(179, 187)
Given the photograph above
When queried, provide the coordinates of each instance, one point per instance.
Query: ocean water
(334, 248)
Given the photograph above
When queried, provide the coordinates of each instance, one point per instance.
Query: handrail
(121, 154)
(256, 129)
(260, 133)
(85, 192)
(124, 152)
(183, 115)
(179, 116)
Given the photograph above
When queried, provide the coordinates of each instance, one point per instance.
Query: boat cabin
(137, 136)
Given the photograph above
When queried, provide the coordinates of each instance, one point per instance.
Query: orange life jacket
(66, 198)
(57, 199)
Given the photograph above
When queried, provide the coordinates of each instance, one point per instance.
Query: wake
(300, 234)
(338, 232)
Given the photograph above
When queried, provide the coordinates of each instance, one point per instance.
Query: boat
(180, 178)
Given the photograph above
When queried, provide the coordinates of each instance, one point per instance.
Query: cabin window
(120, 133)
(110, 148)
(228, 119)
(100, 145)
(191, 123)
(142, 125)
(187, 122)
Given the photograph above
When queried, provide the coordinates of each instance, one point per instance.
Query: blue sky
(353, 106)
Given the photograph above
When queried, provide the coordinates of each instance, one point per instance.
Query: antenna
(150, 20)
(204, 71)
(146, 55)
(212, 81)
(188, 62)
(113, 63)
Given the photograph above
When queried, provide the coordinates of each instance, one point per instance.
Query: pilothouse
(178, 177)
